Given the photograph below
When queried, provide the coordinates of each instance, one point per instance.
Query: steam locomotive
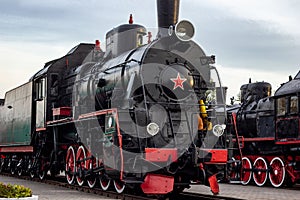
(143, 114)
(267, 134)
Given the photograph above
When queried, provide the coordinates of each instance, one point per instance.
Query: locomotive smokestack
(167, 14)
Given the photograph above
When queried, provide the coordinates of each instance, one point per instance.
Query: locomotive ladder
(239, 142)
(177, 119)
(127, 121)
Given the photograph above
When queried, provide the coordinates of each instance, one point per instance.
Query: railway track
(197, 196)
(60, 181)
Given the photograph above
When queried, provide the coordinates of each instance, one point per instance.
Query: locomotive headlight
(218, 129)
(184, 30)
(191, 82)
(152, 128)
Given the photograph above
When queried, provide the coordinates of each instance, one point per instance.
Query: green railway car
(15, 116)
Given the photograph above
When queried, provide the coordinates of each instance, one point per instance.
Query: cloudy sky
(250, 38)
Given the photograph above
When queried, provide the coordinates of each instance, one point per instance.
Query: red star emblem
(178, 82)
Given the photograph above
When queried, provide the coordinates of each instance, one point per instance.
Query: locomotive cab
(287, 111)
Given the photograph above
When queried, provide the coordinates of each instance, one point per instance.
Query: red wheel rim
(233, 174)
(80, 166)
(42, 171)
(70, 165)
(92, 163)
(246, 171)
(119, 186)
(104, 183)
(260, 174)
(31, 173)
(277, 172)
(1, 165)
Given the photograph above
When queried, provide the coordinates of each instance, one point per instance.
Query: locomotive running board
(133, 180)
(12, 149)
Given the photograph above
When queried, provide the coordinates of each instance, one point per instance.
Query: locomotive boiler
(146, 114)
(266, 130)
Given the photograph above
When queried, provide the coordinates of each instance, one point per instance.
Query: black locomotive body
(267, 131)
(135, 115)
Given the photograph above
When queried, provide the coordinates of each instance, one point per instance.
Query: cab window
(281, 106)
(294, 105)
(40, 89)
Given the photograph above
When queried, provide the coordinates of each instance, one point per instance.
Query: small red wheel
(70, 165)
(246, 171)
(92, 179)
(119, 186)
(277, 172)
(1, 164)
(260, 174)
(12, 167)
(42, 174)
(20, 169)
(42, 169)
(104, 182)
(80, 166)
(32, 174)
(234, 172)
(31, 171)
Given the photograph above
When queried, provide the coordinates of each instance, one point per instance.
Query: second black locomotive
(267, 132)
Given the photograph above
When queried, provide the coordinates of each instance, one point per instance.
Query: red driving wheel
(277, 172)
(260, 174)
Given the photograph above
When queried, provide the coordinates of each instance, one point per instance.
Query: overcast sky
(250, 38)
